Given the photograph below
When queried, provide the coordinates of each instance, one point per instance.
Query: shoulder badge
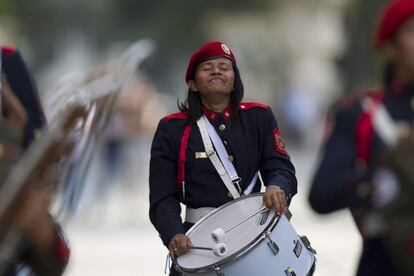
(279, 142)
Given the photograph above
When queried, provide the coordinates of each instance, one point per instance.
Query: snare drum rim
(239, 253)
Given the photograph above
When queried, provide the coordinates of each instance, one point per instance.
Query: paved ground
(116, 237)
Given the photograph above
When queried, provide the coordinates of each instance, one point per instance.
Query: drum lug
(217, 270)
(272, 245)
(288, 214)
(307, 243)
(290, 272)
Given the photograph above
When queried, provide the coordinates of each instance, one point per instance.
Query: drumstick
(249, 217)
(201, 248)
(219, 233)
(219, 249)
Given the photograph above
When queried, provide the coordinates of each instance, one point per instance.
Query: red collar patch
(211, 115)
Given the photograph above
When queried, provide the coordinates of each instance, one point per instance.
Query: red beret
(394, 15)
(208, 51)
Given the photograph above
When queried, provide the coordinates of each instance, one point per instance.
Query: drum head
(237, 240)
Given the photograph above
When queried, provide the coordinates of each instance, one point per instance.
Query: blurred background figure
(299, 57)
(40, 247)
(398, 216)
(363, 164)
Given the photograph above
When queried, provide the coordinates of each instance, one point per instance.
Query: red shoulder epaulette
(350, 100)
(177, 116)
(248, 106)
(377, 95)
(8, 50)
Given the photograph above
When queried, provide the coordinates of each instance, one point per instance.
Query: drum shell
(260, 259)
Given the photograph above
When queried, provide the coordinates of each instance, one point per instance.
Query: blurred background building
(296, 56)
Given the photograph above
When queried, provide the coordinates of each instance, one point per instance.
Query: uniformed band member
(349, 175)
(17, 75)
(43, 249)
(180, 170)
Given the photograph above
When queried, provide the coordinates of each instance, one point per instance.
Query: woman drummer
(180, 168)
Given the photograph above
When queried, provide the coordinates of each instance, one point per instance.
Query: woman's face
(401, 48)
(214, 77)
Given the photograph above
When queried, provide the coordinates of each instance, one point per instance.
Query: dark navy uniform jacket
(23, 86)
(349, 159)
(253, 143)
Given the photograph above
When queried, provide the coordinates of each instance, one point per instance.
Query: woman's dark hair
(193, 106)
(388, 76)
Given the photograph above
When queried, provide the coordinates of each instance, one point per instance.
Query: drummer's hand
(274, 197)
(179, 245)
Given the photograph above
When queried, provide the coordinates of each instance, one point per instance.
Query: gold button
(363, 190)
(231, 158)
(222, 127)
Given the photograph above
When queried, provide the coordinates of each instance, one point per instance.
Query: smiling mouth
(216, 79)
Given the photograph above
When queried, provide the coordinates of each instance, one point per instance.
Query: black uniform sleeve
(336, 181)
(24, 87)
(165, 206)
(276, 167)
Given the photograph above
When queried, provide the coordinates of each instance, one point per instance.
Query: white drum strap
(382, 122)
(223, 155)
(212, 155)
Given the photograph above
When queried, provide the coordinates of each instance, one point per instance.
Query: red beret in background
(393, 16)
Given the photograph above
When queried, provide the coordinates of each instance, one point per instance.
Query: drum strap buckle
(236, 183)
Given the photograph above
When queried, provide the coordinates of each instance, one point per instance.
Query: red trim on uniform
(178, 115)
(364, 129)
(397, 87)
(62, 249)
(8, 50)
(248, 106)
(329, 124)
(412, 245)
(279, 143)
(182, 156)
(364, 134)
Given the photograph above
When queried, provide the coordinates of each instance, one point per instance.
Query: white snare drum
(246, 242)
